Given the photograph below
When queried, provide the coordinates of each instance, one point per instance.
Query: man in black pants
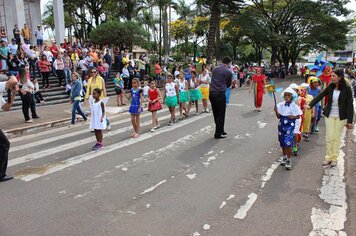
(221, 79)
(10, 86)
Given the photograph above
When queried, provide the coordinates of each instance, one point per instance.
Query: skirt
(118, 90)
(205, 92)
(154, 106)
(195, 95)
(134, 110)
(183, 97)
(285, 132)
(172, 101)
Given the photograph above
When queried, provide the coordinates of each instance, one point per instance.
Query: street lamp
(103, 17)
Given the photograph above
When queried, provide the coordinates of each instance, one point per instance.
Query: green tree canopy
(120, 33)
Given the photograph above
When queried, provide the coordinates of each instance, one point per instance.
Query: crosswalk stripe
(64, 136)
(49, 169)
(67, 146)
(55, 130)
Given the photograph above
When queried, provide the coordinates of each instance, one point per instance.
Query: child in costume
(136, 106)
(258, 84)
(287, 112)
(183, 95)
(98, 121)
(171, 95)
(307, 113)
(194, 92)
(119, 87)
(154, 104)
(314, 90)
(300, 101)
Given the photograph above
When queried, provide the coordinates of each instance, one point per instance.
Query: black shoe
(35, 117)
(220, 136)
(224, 133)
(6, 178)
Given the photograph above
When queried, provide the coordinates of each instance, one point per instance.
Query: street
(178, 180)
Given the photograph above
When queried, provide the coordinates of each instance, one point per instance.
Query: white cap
(304, 85)
(294, 86)
(291, 91)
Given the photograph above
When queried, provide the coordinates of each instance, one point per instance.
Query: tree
(120, 33)
(216, 7)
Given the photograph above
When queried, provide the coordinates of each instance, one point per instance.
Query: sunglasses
(93, 72)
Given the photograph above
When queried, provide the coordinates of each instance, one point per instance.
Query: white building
(19, 12)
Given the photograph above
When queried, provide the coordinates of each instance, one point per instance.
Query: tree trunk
(165, 33)
(218, 43)
(274, 55)
(213, 22)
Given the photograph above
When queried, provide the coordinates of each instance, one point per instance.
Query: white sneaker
(207, 110)
(152, 130)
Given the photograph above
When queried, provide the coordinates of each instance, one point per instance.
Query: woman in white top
(58, 65)
(338, 112)
(183, 95)
(204, 81)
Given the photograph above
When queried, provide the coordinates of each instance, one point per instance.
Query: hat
(294, 86)
(304, 85)
(291, 91)
(313, 79)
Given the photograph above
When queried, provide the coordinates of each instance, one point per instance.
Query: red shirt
(152, 94)
(157, 69)
(259, 80)
(44, 65)
(54, 50)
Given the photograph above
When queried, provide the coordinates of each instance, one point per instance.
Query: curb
(51, 124)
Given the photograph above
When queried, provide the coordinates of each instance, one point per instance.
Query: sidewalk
(13, 122)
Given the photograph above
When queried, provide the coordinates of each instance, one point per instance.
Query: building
(19, 12)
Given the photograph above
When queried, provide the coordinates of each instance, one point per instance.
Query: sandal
(333, 164)
(326, 162)
(136, 136)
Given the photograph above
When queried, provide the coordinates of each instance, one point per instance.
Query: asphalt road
(176, 181)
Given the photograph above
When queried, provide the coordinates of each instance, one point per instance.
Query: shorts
(205, 92)
(39, 42)
(172, 101)
(118, 91)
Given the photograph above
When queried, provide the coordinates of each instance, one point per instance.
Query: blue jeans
(76, 107)
(68, 75)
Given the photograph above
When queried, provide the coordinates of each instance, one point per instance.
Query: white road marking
(333, 191)
(70, 134)
(237, 105)
(128, 212)
(230, 197)
(238, 137)
(196, 234)
(269, 173)
(261, 125)
(191, 176)
(222, 204)
(209, 153)
(242, 212)
(153, 187)
(88, 156)
(152, 156)
(67, 146)
(248, 135)
(148, 205)
(56, 130)
(206, 227)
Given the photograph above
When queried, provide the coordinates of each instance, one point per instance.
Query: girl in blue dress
(135, 110)
(287, 112)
